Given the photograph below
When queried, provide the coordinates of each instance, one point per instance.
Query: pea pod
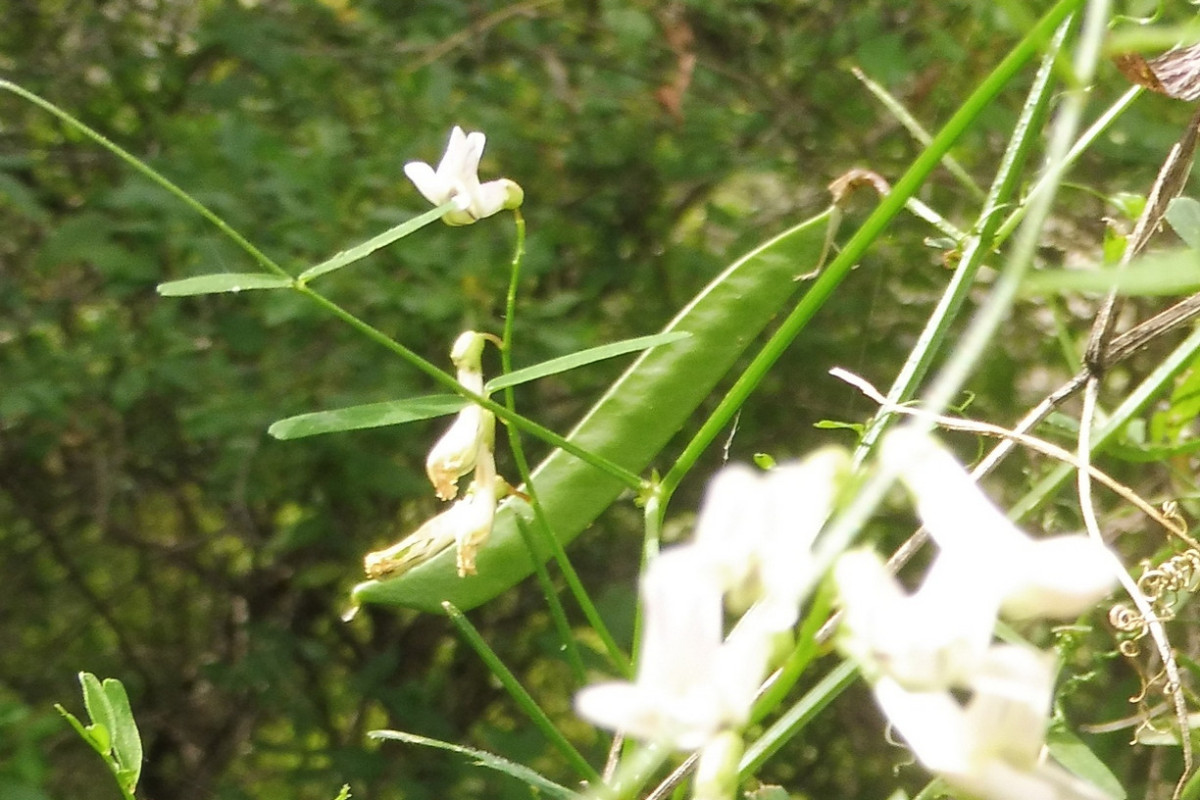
(629, 425)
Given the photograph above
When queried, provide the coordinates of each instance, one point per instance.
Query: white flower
(691, 684)
(756, 532)
(1058, 577)
(455, 453)
(456, 179)
(991, 747)
(931, 639)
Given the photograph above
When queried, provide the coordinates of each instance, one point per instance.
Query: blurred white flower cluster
(925, 651)
(751, 554)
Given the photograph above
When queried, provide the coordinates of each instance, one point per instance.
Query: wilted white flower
(691, 683)
(454, 454)
(474, 523)
(456, 178)
(991, 747)
(1058, 577)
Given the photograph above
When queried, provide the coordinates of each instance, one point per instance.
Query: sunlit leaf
(365, 249)
(1070, 751)
(582, 358)
(1183, 214)
(370, 415)
(99, 708)
(484, 759)
(126, 741)
(1173, 272)
(222, 282)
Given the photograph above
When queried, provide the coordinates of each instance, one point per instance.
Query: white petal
(1010, 709)
(1062, 577)
(930, 640)
(456, 157)
(490, 198)
(732, 526)
(431, 187)
(932, 723)
(799, 498)
(683, 622)
(955, 510)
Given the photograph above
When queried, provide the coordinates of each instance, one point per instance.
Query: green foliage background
(150, 530)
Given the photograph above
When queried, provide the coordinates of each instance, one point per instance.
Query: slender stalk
(149, 172)
(544, 534)
(448, 381)
(557, 612)
(796, 717)
(443, 378)
(992, 312)
(518, 693)
(866, 235)
(979, 246)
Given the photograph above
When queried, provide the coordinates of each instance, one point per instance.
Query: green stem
(518, 693)
(449, 382)
(149, 172)
(796, 717)
(866, 235)
(446, 380)
(799, 659)
(995, 309)
(557, 612)
(545, 534)
(979, 246)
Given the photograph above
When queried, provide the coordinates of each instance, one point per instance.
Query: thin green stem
(150, 173)
(802, 655)
(449, 382)
(518, 693)
(796, 717)
(1094, 131)
(544, 533)
(557, 612)
(995, 309)
(866, 235)
(979, 246)
(443, 378)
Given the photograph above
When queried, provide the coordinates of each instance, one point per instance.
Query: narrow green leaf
(361, 251)
(1070, 751)
(536, 714)
(222, 282)
(484, 759)
(344, 794)
(98, 706)
(126, 741)
(1173, 272)
(629, 425)
(583, 358)
(370, 415)
(1183, 214)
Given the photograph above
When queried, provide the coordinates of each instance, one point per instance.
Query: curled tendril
(1179, 573)
(1126, 620)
